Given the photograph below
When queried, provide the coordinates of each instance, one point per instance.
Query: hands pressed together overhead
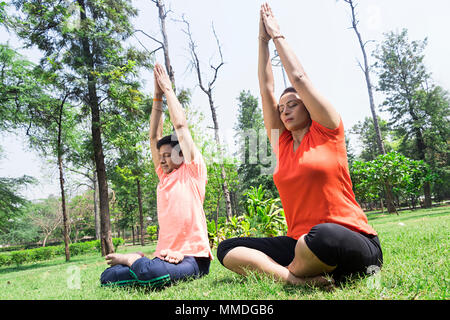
(162, 80)
(268, 25)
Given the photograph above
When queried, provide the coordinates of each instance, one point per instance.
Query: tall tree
(41, 109)
(406, 84)
(366, 70)
(128, 134)
(208, 90)
(253, 147)
(164, 43)
(90, 54)
(51, 127)
(366, 131)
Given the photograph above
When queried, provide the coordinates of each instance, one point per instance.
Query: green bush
(117, 242)
(46, 253)
(152, 232)
(20, 257)
(5, 259)
(264, 217)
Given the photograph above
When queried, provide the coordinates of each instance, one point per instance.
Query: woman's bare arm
(271, 116)
(320, 109)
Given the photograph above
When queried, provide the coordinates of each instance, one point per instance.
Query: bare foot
(116, 258)
(119, 258)
(171, 256)
(323, 282)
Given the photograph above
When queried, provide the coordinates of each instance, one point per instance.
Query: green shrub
(117, 242)
(97, 245)
(152, 232)
(5, 259)
(264, 217)
(46, 253)
(20, 257)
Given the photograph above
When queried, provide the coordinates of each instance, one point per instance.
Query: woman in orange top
(328, 232)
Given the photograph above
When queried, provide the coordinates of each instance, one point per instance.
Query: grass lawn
(416, 266)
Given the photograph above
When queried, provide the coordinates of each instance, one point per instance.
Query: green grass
(416, 266)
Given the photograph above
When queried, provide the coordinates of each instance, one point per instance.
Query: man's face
(170, 158)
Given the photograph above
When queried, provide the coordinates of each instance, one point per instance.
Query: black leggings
(333, 244)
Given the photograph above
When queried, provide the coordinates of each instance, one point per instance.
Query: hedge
(46, 253)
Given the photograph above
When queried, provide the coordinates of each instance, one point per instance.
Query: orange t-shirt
(181, 219)
(314, 182)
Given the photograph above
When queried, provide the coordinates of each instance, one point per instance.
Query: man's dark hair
(170, 139)
(287, 90)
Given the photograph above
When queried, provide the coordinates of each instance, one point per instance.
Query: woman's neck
(299, 133)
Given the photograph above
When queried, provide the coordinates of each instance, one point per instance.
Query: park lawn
(416, 266)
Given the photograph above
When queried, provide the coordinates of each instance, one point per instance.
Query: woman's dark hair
(170, 139)
(287, 90)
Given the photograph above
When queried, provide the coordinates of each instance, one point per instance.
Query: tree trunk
(162, 20)
(96, 209)
(61, 183)
(421, 146)
(64, 211)
(105, 224)
(223, 174)
(427, 194)
(45, 240)
(366, 69)
(141, 214)
(93, 102)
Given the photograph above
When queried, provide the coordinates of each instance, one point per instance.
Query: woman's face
(293, 112)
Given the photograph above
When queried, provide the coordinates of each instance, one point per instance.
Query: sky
(318, 31)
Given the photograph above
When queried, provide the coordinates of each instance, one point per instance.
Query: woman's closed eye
(288, 105)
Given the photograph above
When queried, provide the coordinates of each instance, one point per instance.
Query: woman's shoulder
(320, 129)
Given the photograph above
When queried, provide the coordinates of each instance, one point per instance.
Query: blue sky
(318, 31)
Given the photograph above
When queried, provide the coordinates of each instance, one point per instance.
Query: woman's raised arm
(319, 108)
(271, 116)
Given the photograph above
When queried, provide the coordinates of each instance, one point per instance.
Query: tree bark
(141, 215)
(96, 208)
(162, 13)
(223, 175)
(61, 183)
(93, 102)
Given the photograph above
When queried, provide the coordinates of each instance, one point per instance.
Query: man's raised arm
(156, 122)
(177, 115)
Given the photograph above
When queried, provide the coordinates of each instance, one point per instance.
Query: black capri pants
(351, 252)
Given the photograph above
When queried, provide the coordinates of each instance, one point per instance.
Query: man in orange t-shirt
(328, 233)
(183, 248)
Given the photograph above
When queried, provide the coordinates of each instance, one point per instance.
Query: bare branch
(194, 57)
(216, 69)
(360, 65)
(146, 34)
